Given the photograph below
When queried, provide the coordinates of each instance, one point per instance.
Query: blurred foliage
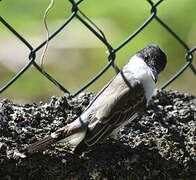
(74, 56)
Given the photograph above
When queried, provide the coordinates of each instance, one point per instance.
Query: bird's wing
(120, 101)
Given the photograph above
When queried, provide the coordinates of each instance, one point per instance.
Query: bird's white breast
(141, 71)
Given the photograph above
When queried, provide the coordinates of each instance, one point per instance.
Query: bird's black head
(154, 57)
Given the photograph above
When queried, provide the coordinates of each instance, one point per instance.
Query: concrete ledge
(162, 145)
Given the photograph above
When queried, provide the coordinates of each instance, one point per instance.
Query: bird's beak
(154, 75)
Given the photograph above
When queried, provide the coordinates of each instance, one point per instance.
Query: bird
(121, 101)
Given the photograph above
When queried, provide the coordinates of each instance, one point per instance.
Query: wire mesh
(93, 28)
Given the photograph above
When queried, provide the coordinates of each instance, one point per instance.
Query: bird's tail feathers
(40, 145)
(44, 143)
(73, 133)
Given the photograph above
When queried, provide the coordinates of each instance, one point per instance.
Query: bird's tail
(40, 145)
(73, 133)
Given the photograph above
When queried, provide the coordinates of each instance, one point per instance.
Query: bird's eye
(147, 57)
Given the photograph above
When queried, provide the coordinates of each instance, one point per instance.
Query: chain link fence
(88, 23)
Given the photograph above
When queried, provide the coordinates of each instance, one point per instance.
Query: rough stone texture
(162, 145)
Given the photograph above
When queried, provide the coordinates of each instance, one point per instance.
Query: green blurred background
(75, 55)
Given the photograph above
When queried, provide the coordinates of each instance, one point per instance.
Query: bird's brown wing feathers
(123, 102)
(117, 103)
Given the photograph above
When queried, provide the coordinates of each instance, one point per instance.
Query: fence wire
(88, 23)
